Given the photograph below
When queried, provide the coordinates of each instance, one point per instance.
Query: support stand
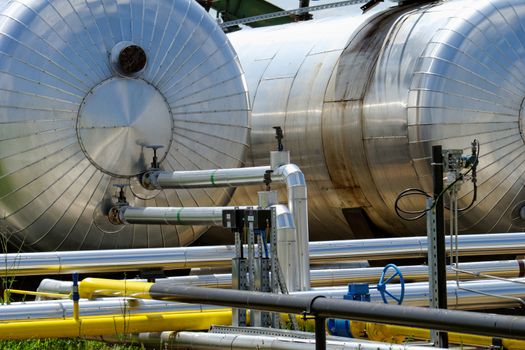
(436, 245)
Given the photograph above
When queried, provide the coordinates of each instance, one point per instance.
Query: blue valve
(381, 285)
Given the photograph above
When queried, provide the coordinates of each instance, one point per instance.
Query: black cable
(416, 191)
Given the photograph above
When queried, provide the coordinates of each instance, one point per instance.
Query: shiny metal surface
(334, 277)
(362, 99)
(208, 341)
(33, 310)
(497, 294)
(114, 135)
(24, 264)
(72, 119)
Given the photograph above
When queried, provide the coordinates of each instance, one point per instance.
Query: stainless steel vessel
(362, 99)
(88, 91)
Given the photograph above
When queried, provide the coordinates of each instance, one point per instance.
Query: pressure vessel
(363, 98)
(88, 90)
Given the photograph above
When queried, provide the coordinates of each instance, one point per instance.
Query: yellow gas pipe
(115, 325)
(399, 334)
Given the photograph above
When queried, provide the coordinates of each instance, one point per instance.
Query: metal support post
(320, 333)
(239, 282)
(438, 253)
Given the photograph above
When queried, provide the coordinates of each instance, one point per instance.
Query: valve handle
(381, 285)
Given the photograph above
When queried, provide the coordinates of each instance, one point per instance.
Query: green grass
(62, 344)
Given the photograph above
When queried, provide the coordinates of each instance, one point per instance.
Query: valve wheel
(383, 281)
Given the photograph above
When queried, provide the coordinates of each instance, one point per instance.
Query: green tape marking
(178, 216)
(212, 177)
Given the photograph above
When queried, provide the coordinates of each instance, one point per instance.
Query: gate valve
(114, 212)
(383, 281)
(155, 163)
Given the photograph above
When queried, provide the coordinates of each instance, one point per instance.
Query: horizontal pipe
(205, 178)
(173, 215)
(117, 260)
(337, 277)
(62, 309)
(399, 334)
(471, 295)
(113, 325)
(445, 320)
(204, 341)
(416, 295)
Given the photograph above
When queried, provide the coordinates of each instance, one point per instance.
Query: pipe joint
(149, 180)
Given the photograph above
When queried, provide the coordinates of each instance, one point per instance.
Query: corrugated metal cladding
(361, 100)
(77, 116)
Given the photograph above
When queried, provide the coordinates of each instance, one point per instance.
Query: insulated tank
(362, 99)
(87, 90)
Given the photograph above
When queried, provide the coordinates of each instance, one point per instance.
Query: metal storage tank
(87, 88)
(362, 99)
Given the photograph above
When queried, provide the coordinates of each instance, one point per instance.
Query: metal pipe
(63, 309)
(382, 332)
(289, 174)
(117, 260)
(416, 295)
(446, 320)
(333, 277)
(172, 215)
(204, 178)
(113, 325)
(205, 341)
(471, 295)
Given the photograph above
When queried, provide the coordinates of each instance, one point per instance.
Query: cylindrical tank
(88, 90)
(362, 100)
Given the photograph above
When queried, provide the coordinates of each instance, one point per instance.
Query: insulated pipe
(204, 178)
(118, 260)
(334, 277)
(399, 334)
(62, 309)
(482, 294)
(113, 325)
(204, 341)
(446, 320)
(172, 215)
(290, 174)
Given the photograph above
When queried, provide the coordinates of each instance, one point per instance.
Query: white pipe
(204, 178)
(205, 341)
(118, 260)
(289, 174)
(172, 215)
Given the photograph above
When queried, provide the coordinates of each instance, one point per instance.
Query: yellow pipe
(115, 325)
(9, 291)
(400, 334)
(93, 287)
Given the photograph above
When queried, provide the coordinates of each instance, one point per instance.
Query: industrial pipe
(115, 260)
(202, 341)
(446, 320)
(62, 309)
(289, 174)
(172, 215)
(157, 179)
(471, 295)
(334, 277)
(113, 325)
(399, 334)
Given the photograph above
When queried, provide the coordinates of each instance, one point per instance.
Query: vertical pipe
(75, 297)
(320, 333)
(437, 177)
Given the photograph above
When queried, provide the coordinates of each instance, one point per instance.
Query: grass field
(63, 344)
